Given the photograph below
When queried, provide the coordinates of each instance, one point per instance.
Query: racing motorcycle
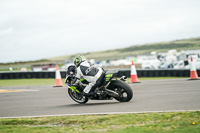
(110, 88)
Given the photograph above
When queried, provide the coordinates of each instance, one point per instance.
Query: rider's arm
(78, 73)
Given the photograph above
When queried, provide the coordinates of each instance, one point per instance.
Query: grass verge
(35, 82)
(184, 122)
(159, 78)
(27, 82)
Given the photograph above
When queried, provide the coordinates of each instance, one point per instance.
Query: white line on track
(103, 113)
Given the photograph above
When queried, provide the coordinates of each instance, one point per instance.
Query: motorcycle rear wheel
(77, 97)
(123, 89)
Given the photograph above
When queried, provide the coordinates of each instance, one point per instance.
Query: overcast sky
(36, 29)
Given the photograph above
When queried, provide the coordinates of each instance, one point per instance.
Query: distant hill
(184, 44)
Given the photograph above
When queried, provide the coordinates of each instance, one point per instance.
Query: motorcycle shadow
(91, 104)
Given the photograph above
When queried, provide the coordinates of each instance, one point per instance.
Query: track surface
(156, 95)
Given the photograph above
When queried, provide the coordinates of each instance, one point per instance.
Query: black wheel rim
(77, 97)
(122, 93)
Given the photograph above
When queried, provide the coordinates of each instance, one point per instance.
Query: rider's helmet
(78, 60)
(71, 70)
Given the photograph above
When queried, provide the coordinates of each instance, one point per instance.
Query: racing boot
(90, 94)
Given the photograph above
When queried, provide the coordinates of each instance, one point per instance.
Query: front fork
(74, 89)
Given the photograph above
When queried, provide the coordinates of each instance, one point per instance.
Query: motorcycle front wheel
(123, 89)
(77, 97)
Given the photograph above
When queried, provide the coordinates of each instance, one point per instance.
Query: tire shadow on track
(88, 104)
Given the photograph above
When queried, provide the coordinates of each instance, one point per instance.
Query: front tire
(77, 97)
(123, 89)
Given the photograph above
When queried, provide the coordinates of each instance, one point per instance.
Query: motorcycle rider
(90, 73)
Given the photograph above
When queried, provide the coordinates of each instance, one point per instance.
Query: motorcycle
(110, 88)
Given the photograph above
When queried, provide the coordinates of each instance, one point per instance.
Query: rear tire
(123, 89)
(77, 97)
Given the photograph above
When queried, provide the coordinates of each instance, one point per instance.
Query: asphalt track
(149, 96)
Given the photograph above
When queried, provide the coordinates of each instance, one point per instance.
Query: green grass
(27, 82)
(35, 82)
(175, 122)
(159, 78)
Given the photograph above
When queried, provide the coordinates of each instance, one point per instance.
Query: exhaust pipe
(112, 93)
(123, 78)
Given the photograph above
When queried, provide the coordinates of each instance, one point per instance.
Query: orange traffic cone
(193, 71)
(134, 78)
(58, 78)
